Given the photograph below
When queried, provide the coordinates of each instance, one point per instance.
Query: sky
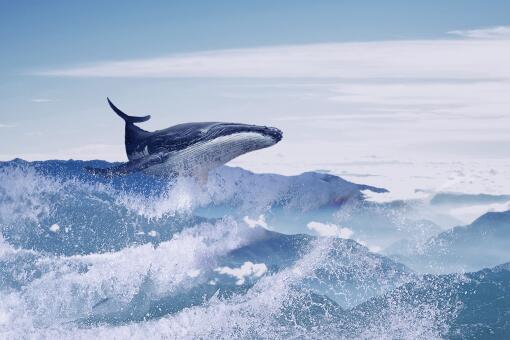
(409, 95)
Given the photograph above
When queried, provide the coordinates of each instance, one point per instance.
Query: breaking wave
(141, 257)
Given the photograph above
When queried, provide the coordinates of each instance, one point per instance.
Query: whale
(188, 149)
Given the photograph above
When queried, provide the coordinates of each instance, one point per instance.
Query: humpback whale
(189, 149)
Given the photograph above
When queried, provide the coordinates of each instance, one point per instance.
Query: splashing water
(136, 257)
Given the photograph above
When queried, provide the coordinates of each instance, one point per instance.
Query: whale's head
(230, 140)
(245, 136)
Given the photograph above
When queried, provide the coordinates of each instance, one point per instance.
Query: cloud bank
(426, 59)
(497, 32)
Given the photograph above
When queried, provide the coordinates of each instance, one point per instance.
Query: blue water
(144, 257)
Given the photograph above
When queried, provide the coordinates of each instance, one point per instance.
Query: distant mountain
(471, 306)
(483, 243)
(409, 233)
(252, 193)
(348, 272)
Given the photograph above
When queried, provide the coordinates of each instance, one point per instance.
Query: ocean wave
(137, 256)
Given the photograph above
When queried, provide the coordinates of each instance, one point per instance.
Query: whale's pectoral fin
(130, 167)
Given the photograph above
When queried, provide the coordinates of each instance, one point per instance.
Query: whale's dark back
(140, 142)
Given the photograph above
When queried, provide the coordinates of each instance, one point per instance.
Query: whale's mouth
(226, 129)
(274, 133)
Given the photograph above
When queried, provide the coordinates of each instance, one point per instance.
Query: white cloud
(41, 100)
(329, 229)
(497, 32)
(54, 228)
(247, 270)
(375, 248)
(468, 214)
(372, 247)
(261, 222)
(333, 230)
(6, 126)
(427, 59)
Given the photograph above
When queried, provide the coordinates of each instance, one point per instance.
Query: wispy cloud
(497, 32)
(41, 100)
(425, 59)
(6, 125)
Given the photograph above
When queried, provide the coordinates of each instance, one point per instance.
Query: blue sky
(46, 34)
(396, 80)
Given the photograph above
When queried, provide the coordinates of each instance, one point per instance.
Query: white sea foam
(118, 292)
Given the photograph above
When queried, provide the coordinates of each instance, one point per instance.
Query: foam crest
(68, 288)
(137, 257)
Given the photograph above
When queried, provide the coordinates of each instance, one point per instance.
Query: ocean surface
(252, 256)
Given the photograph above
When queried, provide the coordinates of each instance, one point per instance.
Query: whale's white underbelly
(201, 157)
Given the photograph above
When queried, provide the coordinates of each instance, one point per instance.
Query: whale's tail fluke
(127, 119)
